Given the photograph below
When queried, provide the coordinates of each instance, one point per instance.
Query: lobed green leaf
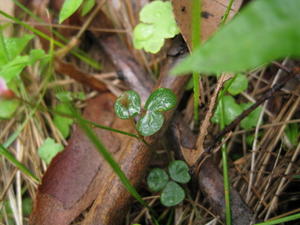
(49, 149)
(158, 23)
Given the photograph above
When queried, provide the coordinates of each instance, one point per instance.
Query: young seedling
(128, 106)
(171, 192)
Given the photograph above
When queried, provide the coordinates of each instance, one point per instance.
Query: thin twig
(269, 94)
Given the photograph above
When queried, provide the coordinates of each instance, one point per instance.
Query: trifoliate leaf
(179, 171)
(157, 179)
(161, 100)
(158, 24)
(172, 194)
(150, 123)
(128, 105)
(49, 149)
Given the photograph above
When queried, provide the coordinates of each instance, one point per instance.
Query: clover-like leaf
(172, 194)
(158, 23)
(239, 84)
(161, 100)
(251, 120)
(231, 110)
(157, 179)
(128, 105)
(179, 171)
(150, 123)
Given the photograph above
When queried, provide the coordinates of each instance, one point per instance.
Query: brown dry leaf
(76, 175)
(212, 12)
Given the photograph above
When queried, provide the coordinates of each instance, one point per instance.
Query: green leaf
(157, 179)
(69, 7)
(49, 149)
(128, 105)
(150, 123)
(264, 31)
(87, 6)
(161, 100)
(251, 120)
(63, 123)
(158, 24)
(231, 110)
(239, 84)
(292, 131)
(10, 48)
(179, 171)
(8, 107)
(13, 68)
(172, 194)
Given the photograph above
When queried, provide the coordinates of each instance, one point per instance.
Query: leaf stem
(226, 14)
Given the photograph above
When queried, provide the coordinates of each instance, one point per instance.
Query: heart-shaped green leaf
(231, 110)
(179, 171)
(161, 100)
(150, 123)
(238, 85)
(172, 194)
(262, 32)
(128, 105)
(157, 179)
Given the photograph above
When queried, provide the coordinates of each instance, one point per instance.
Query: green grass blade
(281, 220)
(10, 157)
(264, 31)
(108, 157)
